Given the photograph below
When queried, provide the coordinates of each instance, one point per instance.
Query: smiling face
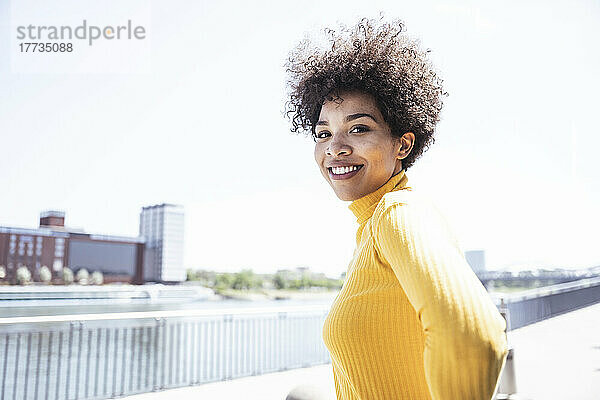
(354, 148)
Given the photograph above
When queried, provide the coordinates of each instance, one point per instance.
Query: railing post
(227, 346)
(503, 308)
(26, 381)
(155, 385)
(16, 377)
(69, 357)
(282, 359)
(507, 385)
(124, 363)
(115, 362)
(163, 329)
(79, 351)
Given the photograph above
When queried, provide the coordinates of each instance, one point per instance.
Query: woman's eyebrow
(350, 117)
(358, 115)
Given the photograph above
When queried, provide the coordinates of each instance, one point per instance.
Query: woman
(412, 320)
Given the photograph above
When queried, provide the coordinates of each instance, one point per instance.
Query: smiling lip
(347, 175)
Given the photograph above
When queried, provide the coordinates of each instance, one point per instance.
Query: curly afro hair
(373, 57)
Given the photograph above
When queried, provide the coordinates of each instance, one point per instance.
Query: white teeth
(343, 170)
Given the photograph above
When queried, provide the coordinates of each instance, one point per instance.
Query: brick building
(120, 259)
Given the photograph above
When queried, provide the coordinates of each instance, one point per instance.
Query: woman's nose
(337, 148)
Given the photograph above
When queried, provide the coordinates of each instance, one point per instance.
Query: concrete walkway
(273, 386)
(555, 359)
(559, 358)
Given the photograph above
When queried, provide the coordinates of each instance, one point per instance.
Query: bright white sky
(514, 167)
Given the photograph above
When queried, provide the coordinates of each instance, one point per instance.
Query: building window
(59, 248)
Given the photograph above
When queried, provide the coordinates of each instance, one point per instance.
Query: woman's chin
(345, 196)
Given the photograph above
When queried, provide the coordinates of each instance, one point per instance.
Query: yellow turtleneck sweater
(412, 320)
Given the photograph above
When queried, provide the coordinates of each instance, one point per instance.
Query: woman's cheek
(319, 158)
(318, 155)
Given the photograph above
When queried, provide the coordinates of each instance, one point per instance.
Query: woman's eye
(358, 129)
(320, 135)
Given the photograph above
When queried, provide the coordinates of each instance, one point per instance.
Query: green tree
(279, 281)
(83, 276)
(244, 280)
(97, 278)
(67, 276)
(23, 276)
(45, 274)
(190, 275)
(206, 278)
(305, 282)
(224, 281)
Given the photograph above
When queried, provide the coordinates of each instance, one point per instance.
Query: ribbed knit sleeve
(465, 343)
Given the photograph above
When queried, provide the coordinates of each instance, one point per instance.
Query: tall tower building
(476, 259)
(162, 227)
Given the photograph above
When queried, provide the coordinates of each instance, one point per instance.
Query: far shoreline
(266, 294)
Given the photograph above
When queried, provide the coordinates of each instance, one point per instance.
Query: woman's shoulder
(409, 199)
(408, 203)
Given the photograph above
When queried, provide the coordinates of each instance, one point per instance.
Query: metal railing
(531, 306)
(101, 356)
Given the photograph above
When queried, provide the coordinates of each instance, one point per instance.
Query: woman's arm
(465, 345)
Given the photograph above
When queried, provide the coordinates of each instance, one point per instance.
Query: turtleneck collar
(364, 207)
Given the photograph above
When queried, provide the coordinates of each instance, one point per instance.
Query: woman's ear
(406, 143)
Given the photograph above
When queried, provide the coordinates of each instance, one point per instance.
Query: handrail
(160, 314)
(549, 290)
